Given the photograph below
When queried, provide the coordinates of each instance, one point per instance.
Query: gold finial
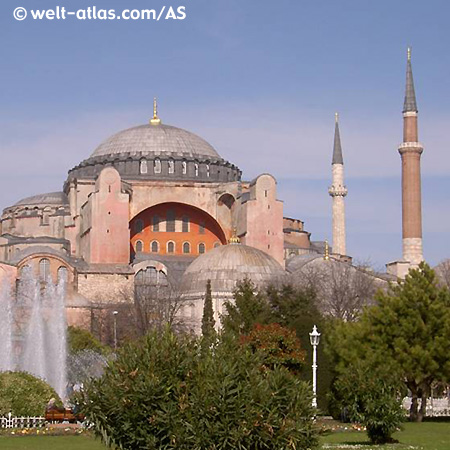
(326, 256)
(409, 53)
(155, 120)
(234, 238)
(336, 117)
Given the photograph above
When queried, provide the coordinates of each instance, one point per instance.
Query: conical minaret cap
(337, 149)
(410, 104)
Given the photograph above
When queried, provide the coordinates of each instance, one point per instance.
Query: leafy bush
(24, 395)
(79, 339)
(170, 392)
(371, 395)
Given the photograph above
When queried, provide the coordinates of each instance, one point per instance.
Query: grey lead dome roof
(156, 140)
(51, 198)
(225, 266)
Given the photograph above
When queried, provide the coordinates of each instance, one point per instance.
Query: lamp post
(115, 328)
(314, 337)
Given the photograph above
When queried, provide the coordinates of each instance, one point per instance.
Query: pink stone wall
(107, 237)
(264, 218)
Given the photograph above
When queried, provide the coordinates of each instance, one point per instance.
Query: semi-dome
(225, 266)
(157, 139)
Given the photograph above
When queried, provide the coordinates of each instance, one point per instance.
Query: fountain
(34, 326)
(6, 328)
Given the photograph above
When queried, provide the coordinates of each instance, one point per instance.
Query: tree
(408, 330)
(443, 272)
(158, 302)
(341, 289)
(208, 321)
(279, 346)
(249, 307)
(412, 325)
(79, 339)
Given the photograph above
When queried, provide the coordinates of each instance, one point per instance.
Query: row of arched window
(44, 270)
(157, 167)
(170, 247)
(170, 223)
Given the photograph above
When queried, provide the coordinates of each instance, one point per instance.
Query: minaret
(337, 192)
(410, 151)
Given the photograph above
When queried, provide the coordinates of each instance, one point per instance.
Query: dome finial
(336, 117)
(409, 53)
(234, 237)
(155, 120)
(326, 256)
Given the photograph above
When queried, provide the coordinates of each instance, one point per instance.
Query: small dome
(157, 140)
(51, 198)
(225, 266)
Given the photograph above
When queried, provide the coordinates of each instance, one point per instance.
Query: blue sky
(260, 80)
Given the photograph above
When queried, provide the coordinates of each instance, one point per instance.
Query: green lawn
(50, 443)
(420, 436)
(415, 436)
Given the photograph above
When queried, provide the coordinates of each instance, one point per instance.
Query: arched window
(155, 247)
(143, 168)
(138, 226)
(139, 246)
(171, 166)
(156, 221)
(44, 268)
(157, 165)
(196, 169)
(201, 248)
(185, 226)
(171, 247)
(201, 228)
(170, 220)
(186, 248)
(207, 170)
(62, 274)
(184, 167)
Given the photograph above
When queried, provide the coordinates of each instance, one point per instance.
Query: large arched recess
(203, 231)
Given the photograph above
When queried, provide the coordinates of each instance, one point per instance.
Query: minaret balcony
(338, 191)
(410, 147)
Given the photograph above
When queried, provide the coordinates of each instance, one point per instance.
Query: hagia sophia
(158, 205)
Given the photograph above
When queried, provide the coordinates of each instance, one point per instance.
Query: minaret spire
(337, 149)
(338, 191)
(409, 104)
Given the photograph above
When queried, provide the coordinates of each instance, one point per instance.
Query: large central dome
(155, 140)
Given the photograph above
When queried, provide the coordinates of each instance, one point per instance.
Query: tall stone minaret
(410, 151)
(337, 192)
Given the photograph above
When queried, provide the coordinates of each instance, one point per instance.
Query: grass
(414, 436)
(50, 443)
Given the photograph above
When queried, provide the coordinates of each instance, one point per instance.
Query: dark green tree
(408, 331)
(411, 326)
(249, 307)
(208, 322)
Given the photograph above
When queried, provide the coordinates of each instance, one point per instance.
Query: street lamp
(314, 338)
(115, 328)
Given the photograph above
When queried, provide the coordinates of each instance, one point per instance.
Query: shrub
(169, 391)
(24, 395)
(371, 395)
(79, 339)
